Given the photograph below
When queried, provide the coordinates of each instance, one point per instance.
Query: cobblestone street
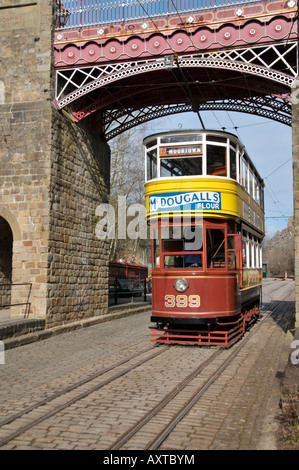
(236, 412)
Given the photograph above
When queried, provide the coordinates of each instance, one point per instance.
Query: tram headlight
(181, 285)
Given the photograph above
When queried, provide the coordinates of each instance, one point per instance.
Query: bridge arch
(11, 219)
(115, 123)
(83, 81)
(228, 52)
(10, 235)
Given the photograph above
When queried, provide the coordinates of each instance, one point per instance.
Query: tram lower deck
(208, 284)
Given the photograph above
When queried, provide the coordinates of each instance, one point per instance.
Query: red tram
(204, 201)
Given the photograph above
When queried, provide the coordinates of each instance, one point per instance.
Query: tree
(126, 179)
(279, 252)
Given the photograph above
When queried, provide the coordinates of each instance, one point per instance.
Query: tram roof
(204, 131)
(194, 131)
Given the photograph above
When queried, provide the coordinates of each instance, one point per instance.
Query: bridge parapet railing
(81, 14)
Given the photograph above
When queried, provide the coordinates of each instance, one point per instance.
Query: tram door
(234, 254)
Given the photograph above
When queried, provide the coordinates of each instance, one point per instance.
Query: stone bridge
(77, 73)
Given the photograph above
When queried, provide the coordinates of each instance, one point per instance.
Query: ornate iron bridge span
(126, 62)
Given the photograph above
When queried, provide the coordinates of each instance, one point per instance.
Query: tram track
(123, 439)
(163, 434)
(65, 390)
(72, 387)
(156, 442)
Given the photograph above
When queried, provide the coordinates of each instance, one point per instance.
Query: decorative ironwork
(73, 14)
(117, 121)
(73, 83)
(107, 50)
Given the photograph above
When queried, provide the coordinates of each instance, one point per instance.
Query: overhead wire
(277, 203)
(266, 179)
(195, 105)
(278, 168)
(193, 102)
(235, 127)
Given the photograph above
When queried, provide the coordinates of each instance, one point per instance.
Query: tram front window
(183, 252)
(155, 248)
(178, 166)
(152, 165)
(216, 160)
(215, 248)
(233, 164)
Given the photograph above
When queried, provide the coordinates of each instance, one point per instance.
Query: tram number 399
(182, 301)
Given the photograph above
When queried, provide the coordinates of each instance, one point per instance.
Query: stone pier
(53, 174)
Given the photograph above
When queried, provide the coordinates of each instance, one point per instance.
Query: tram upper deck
(202, 171)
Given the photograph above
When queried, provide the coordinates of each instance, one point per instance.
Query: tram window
(233, 165)
(230, 243)
(253, 255)
(231, 260)
(171, 238)
(215, 248)
(244, 173)
(173, 261)
(257, 256)
(156, 252)
(248, 253)
(243, 254)
(251, 183)
(187, 251)
(152, 164)
(187, 260)
(172, 245)
(181, 138)
(257, 191)
(174, 166)
(151, 144)
(233, 245)
(193, 247)
(216, 160)
(216, 138)
(260, 257)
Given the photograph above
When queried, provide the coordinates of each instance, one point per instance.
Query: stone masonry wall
(25, 114)
(78, 261)
(50, 176)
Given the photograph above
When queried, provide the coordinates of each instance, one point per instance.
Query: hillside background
(278, 252)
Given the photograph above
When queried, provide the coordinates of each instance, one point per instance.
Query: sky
(268, 144)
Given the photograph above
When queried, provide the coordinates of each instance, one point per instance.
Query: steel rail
(125, 437)
(173, 422)
(52, 397)
(191, 402)
(61, 407)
